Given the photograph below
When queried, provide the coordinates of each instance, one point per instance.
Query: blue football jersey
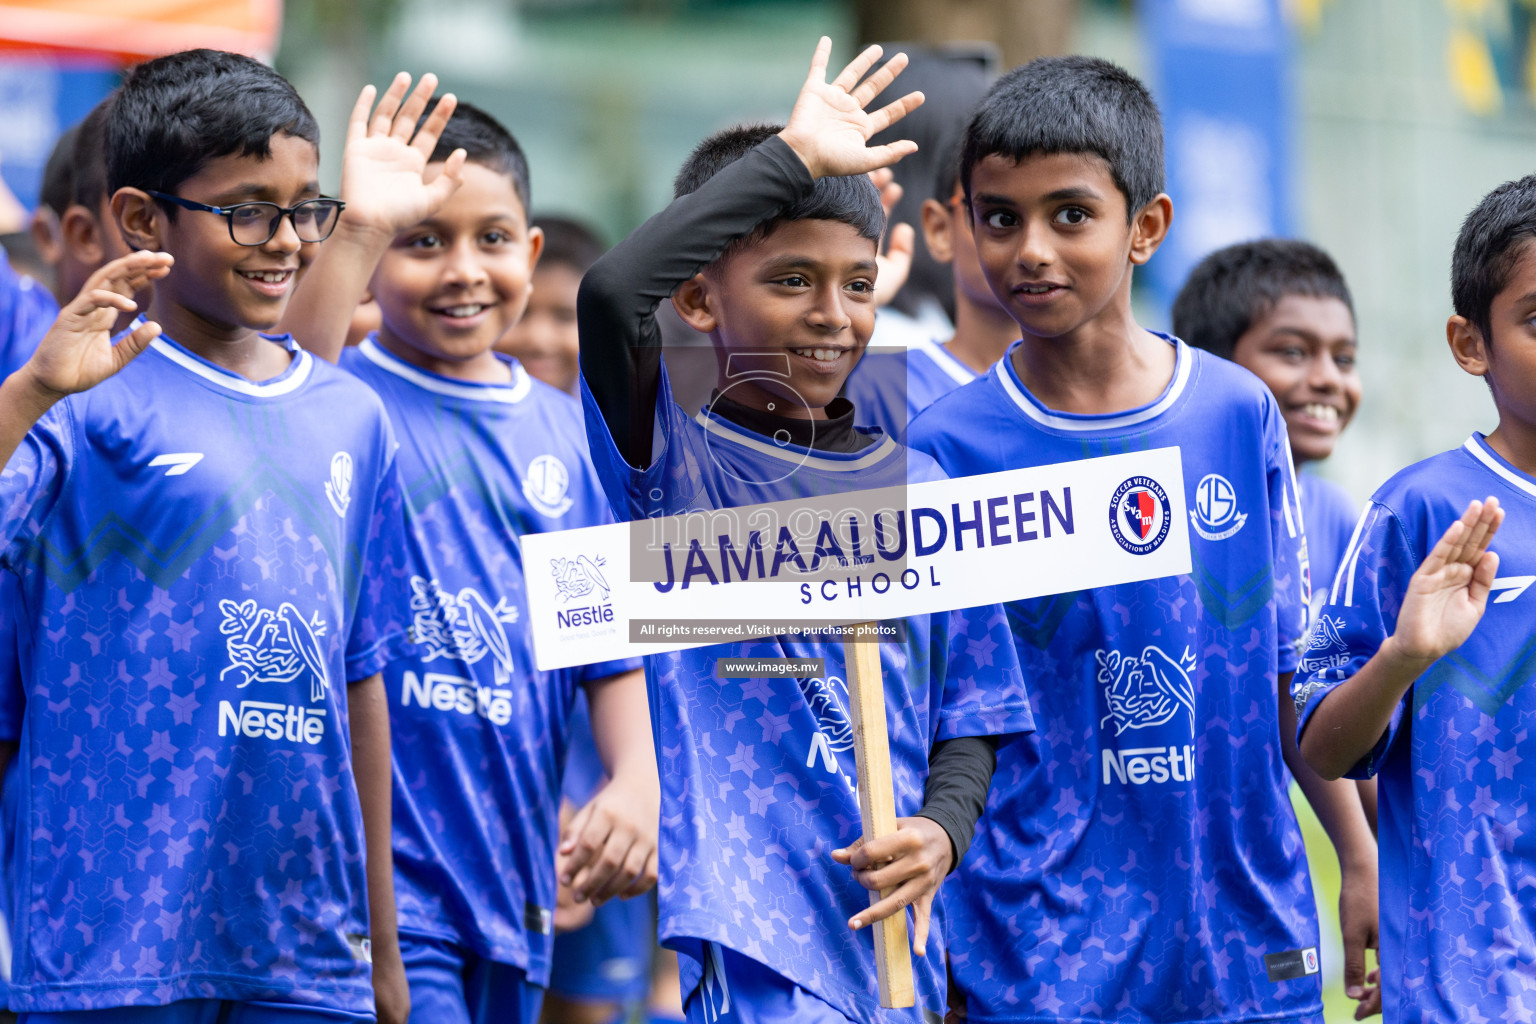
(27, 310)
(1138, 858)
(889, 388)
(204, 563)
(757, 774)
(1457, 835)
(1330, 514)
(479, 734)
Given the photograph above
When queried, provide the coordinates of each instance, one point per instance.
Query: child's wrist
(28, 395)
(1401, 661)
(802, 151)
(1357, 860)
(362, 231)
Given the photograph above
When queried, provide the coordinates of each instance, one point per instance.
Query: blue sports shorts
(738, 990)
(609, 960)
(451, 985)
(202, 1011)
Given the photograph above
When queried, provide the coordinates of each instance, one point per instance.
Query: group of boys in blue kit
(281, 750)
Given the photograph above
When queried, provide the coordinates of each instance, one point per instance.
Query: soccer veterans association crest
(1139, 515)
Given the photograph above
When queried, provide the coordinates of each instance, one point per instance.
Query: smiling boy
(1280, 308)
(890, 388)
(206, 748)
(769, 248)
(1420, 670)
(1096, 891)
(488, 455)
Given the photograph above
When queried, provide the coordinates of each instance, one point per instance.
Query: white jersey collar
(954, 368)
(288, 381)
(832, 462)
(474, 391)
(1477, 445)
(1079, 422)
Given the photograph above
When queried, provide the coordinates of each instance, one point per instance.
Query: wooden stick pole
(877, 805)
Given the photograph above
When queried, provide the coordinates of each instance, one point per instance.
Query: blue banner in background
(1221, 75)
(42, 98)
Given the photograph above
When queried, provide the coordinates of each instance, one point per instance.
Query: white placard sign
(730, 575)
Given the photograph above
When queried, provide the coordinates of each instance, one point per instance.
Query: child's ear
(139, 219)
(1467, 346)
(938, 231)
(81, 236)
(47, 238)
(694, 302)
(1150, 227)
(535, 247)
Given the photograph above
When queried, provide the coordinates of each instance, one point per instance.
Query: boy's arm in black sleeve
(620, 341)
(959, 776)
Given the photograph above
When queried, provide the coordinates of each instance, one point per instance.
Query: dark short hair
(853, 200)
(1233, 288)
(1492, 241)
(947, 169)
(485, 141)
(90, 184)
(174, 114)
(569, 241)
(1072, 105)
(59, 174)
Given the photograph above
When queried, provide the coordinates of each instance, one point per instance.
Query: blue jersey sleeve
(33, 480)
(27, 310)
(984, 691)
(380, 632)
(13, 694)
(1360, 613)
(669, 482)
(1293, 582)
(601, 670)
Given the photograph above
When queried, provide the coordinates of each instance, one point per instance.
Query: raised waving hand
(77, 353)
(829, 129)
(1449, 592)
(383, 168)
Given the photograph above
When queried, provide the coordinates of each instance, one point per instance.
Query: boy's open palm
(77, 352)
(386, 157)
(1449, 592)
(829, 128)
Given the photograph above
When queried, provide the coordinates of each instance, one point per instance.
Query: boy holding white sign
(1142, 858)
(770, 249)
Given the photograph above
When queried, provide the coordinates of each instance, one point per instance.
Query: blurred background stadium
(1367, 126)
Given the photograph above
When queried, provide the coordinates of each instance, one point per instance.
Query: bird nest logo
(828, 698)
(1140, 515)
(463, 627)
(278, 647)
(1147, 691)
(583, 590)
(576, 578)
(1325, 645)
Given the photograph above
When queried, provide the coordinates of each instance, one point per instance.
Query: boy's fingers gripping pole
(877, 805)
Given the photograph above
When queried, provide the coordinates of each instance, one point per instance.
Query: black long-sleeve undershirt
(959, 775)
(621, 361)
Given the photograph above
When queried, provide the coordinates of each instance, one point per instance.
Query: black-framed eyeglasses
(256, 223)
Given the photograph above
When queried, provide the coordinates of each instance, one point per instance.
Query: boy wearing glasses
(210, 546)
